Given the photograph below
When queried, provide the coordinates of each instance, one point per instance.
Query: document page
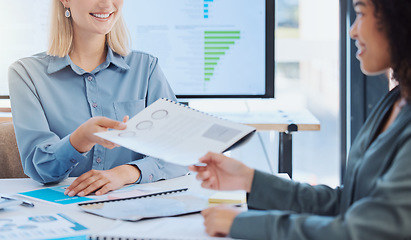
(44, 226)
(176, 133)
(55, 195)
(187, 227)
(171, 204)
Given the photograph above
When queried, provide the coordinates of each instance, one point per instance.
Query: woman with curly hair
(374, 201)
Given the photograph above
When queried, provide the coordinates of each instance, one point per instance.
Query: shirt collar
(116, 59)
(58, 63)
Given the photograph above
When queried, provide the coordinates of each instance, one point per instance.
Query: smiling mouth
(360, 48)
(101, 15)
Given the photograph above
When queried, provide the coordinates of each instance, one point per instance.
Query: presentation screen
(206, 48)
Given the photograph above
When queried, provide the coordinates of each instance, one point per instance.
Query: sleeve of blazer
(272, 192)
(384, 214)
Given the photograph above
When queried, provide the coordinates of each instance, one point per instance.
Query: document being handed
(177, 133)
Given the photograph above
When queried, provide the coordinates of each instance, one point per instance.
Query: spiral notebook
(163, 204)
(177, 133)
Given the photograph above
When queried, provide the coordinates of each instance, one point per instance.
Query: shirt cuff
(153, 169)
(65, 153)
(149, 170)
(139, 178)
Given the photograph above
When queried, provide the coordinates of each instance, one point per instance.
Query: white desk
(268, 115)
(182, 227)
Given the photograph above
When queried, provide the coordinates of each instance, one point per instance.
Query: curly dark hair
(394, 16)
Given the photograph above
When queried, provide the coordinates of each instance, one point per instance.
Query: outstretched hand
(223, 173)
(83, 138)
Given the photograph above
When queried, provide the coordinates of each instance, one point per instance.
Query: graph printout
(56, 194)
(44, 226)
(176, 133)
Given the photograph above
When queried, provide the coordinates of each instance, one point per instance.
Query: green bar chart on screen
(217, 44)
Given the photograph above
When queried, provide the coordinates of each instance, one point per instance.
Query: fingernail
(81, 194)
(72, 193)
(123, 125)
(67, 191)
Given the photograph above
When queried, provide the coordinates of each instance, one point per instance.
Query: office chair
(10, 163)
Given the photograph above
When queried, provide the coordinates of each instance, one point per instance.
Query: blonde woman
(87, 82)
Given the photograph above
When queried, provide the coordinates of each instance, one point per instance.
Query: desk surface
(278, 120)
(263, 114)
(182, 227)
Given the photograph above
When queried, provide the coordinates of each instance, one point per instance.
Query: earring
(67, 13)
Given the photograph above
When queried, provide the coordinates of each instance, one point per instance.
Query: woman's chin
(373, 72)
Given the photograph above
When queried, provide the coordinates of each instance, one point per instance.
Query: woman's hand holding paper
(83, 138)
(223, 173)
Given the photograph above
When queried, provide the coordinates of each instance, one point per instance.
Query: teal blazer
(374, 201)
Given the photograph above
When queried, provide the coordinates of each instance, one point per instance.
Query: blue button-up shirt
(51, 97)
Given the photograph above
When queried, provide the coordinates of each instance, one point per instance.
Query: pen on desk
(23, 202)
(27, 203)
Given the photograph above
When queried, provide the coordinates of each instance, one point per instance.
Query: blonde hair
(61, 33)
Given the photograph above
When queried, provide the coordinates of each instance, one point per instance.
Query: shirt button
(90, 78)
(95, 105)
(98, 160)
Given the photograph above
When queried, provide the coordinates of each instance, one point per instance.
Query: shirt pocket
(129, 108)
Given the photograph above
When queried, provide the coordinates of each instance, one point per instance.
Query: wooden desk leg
(285, 153)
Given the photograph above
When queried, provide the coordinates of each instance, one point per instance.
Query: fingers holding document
(83, 138)
(223, 173)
